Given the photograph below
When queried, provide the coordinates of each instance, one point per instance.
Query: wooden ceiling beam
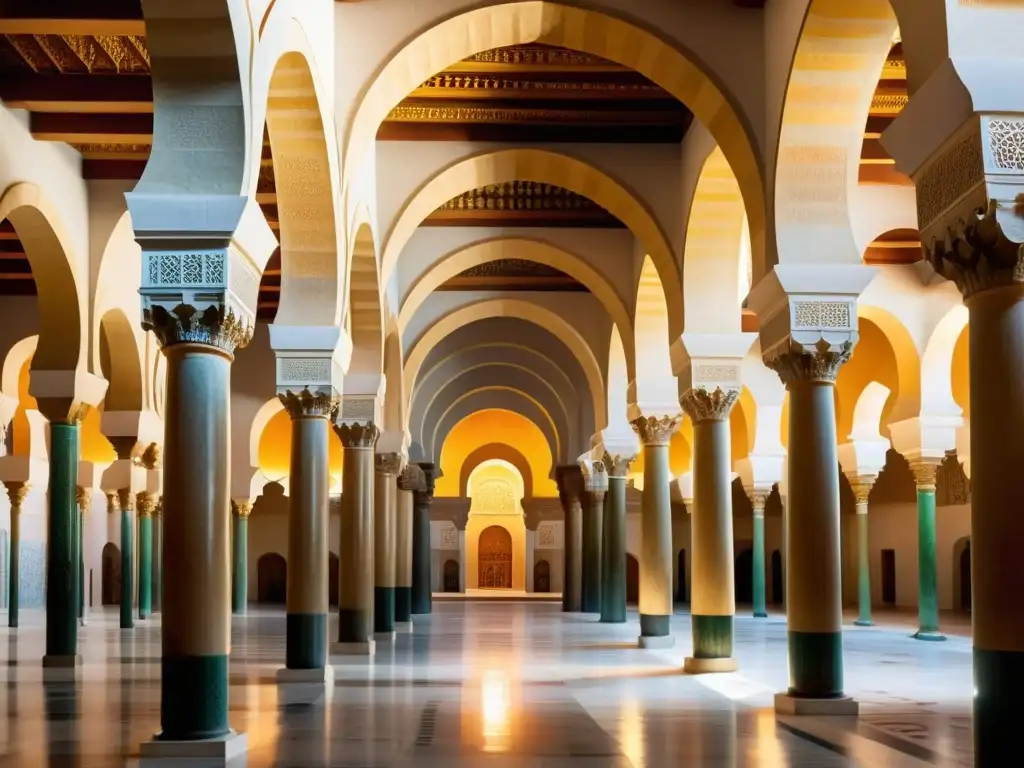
(113, 170)
(88, 128)
(121, 94)
(71, 17)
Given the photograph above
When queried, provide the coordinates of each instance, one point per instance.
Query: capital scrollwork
(112, 502)
(861, 487)
(411, 478)
(618, 464)
(83, 496)
(243, 508)
(186, 324)
(656, 430)
(145, 503)
(925, 471)
(819, 364)
(124, 499)
(388, 463)
(701, 405)
(307, 404)
(357, 435)
(758, 501)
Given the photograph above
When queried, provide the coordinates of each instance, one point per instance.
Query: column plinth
(862, 490)
(16, 493)
(613, 544)
(712, 601)
(307, 596)
(656, 605)
(387, 467)
(355, 549)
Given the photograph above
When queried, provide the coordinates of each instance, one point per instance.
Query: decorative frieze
(656, 430)
(519, 196)
(701, 405)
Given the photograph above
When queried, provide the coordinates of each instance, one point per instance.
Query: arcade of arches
(505, 310)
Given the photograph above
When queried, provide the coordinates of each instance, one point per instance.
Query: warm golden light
(631, 731)
(496, 708)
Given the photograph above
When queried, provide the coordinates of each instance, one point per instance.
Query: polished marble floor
(501, 684)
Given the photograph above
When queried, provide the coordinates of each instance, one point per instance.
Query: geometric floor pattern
(500, 684)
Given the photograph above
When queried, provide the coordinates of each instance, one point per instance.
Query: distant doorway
(271, 579)
(964, 573)
(332, 579)
(494, 557)
(681, 576)
(744, 577)
(451, 576)
(110, 578)
(889, 576)
(542, 576)
(632, 580)
(777, 584)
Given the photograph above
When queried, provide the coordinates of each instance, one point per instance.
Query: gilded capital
(306, 404)
(124, 498)
(701, 405)
(150, 457)
(243, 508)
(145, 503)
(656, 430)
(925, 471)
(758, 500)
(357, 435)
(112, 502)
(83, 496)
(411, 478)
(861, 487)
(820, 365)
(158, 510)
(618, 464)
(187, 324)
(16, 492)
(388, 463)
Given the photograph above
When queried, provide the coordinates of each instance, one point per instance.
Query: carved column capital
(618, 464)
(356, 435)
(83, 496)
(310, 404)
(124, 499)
(150, 457)
(186, 324)
(243, 508)
(758, 500)
(925, 471)
(425, 494)
(158, 509)
(861, 486)
(112, 502)
(701, 405)
(388, 463)
(820, 365)
(656, 430)
(16, 493)
(145, 503)
(411, 478)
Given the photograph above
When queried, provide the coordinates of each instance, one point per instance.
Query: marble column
(355, 548)
(145, 503)
(196, 625)
(387, 466)
(461, 521)
(158, 556)
(613, 543)
(241, 508)
(84, 499)
(656, 605)
(758, 500)
(927, 567)
(593, 531)
(309, 480)
(861, 487)
(421, 589)
(62, 545)
(409, 481)
(125, 504)
(813, 572)
(16, 493)
(570, 489)
(713, 595)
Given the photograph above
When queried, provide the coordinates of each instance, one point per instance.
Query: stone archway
(542, 576)
(110, 579)
(271, 579)
(450, 576)
(494, 558)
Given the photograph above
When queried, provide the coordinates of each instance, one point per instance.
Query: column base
(403, 627)
(930, 636)
(863, 623)
(613, 620)
(695, 666)
(384, 637)
(794, 705)
(656, 642)
(218, 751)
(322, 676)
(61, 661)
(760, 615)
(365, 648)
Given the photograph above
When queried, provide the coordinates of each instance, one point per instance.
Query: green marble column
(16, 492)
(927, 566)
(613, 546)
(570, 490)
(713, 595)
(240, 556)
(593, 533)
(421, 588)
(79, 564)
(145, 503)
(758, 500)
(62, 549)
(861, 490)
(124, 496)
(656, 603)
(158, 556)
